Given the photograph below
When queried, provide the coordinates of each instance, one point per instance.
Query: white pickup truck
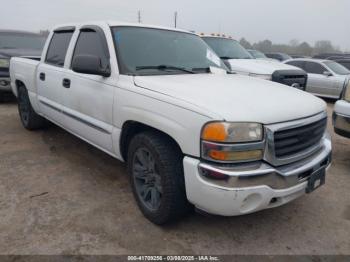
(191, 135)
(240, 61)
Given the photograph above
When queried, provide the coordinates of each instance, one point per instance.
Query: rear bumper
(250, 188)
(5, 84)
(341, 118)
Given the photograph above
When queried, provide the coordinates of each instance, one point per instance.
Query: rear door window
(314, 68)
(57, 51)
(300, 64)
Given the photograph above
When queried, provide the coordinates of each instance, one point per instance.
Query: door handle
(66, 83)
(42, 76)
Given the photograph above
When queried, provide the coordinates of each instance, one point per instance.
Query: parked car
(278, 56)
(16, 43)
(259, 55)
(160, 100)
(238, 60)
(341, 114)
(328, 55)
(325, 78)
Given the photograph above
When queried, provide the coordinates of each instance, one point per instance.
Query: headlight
(347, 92)
(4, 63)
(266, 77)
(232, 142)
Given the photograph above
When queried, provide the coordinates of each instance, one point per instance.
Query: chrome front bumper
(251, 187)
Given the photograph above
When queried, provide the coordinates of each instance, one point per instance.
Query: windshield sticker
(213, 57)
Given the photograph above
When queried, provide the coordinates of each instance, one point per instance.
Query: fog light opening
(251, 203)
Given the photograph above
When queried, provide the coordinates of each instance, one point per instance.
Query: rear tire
(30, 120)
(156, 175)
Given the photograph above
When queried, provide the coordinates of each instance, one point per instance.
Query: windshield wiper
(165, 67)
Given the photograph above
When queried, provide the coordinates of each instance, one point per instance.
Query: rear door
(318, 83)
(50, 73)
(88, 99)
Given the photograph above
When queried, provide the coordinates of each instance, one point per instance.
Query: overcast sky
(277, 20)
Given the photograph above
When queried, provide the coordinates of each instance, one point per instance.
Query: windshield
(337, 68)
(148, 51)
(227, 48)
(21, 41)
(257, 54)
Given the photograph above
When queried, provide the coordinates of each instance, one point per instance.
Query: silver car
(325, 78)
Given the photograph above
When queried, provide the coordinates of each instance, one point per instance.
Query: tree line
(293, 48)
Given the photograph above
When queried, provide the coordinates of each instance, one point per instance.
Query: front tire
(30, 120)
(156, 175)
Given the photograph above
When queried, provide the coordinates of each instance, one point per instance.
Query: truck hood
(236, 97)
(258, 66)
(19, 52)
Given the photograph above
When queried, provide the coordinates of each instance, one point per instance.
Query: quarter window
(90, 43)
(57, 51)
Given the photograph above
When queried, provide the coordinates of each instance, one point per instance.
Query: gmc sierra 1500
(159, 99)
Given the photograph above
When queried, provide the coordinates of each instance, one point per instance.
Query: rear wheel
(156, 175)
(29, 118)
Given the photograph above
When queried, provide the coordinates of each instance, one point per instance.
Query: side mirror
(327, 73)
(91, 65)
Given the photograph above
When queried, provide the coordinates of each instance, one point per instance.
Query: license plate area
(316, 180)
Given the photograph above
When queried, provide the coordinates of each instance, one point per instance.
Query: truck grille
(295, 78)
(292, 141)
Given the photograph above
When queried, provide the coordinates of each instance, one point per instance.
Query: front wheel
(156, 174)
(29, 118)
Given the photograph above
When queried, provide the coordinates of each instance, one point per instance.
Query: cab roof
(118, 23)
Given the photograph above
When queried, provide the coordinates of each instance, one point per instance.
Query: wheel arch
(131, 128)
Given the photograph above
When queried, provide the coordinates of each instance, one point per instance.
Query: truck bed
(23, 69)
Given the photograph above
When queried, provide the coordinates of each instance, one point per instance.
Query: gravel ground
(59, 195)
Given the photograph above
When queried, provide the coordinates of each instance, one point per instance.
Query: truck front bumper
(5, 84)
(251, 187)
(341, 118)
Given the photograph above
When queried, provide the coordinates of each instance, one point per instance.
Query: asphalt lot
(59, 195)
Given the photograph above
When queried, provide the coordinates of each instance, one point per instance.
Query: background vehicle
(16, 43)
(278, 56)
(329, 55)
(238, 60)
(325, 78)
(259, 55)
(298, 56)
(341, 114)
(147, 96)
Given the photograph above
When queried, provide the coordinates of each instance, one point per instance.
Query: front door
(88, 99)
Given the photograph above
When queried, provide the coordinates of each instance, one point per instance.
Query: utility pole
(175, 19)
(139, 16)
